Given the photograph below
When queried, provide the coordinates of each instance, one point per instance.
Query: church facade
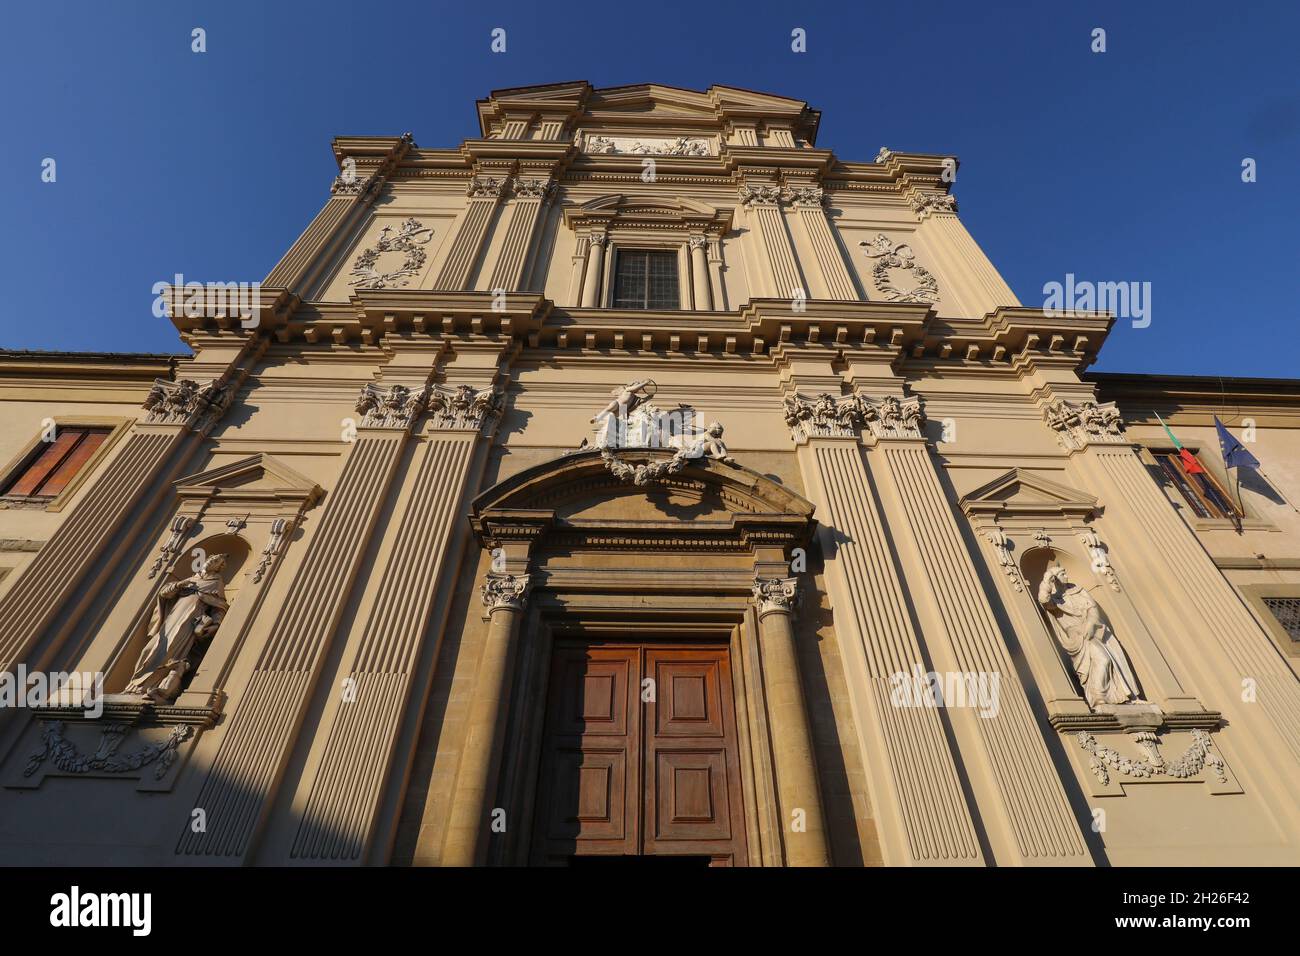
(642, 479)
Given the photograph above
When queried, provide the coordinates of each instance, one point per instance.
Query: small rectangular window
(51, 465)
(1287, 612)
(1199, 489)
(646, 279)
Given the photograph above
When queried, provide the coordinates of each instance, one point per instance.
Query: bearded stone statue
(1098, 660)
(184, 613)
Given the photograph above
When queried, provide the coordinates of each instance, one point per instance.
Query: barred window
(1201, 492)
(1287, 612)
(51, 465)
(645, 279)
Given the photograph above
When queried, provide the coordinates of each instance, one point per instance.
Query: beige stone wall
(339, 716)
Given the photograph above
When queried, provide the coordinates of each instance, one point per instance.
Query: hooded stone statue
(184, 613)
(1098, 660)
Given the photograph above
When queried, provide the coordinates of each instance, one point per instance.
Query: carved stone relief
(56, 748)
(408, 240)
(630, 421)
(897, 275)
(1189, 764)
(647, 146)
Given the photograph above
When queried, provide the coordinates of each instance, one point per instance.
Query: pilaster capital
(188, 404)
(486, 187)
(534, 188)
(396, 407)
(807, 197)
(505, 591)
(776, 595)
(463, 407)
(850, 415)
(1078, 425)
(760, 195)
(926, 204)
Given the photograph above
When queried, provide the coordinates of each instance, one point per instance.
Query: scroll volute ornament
(505, 591)
(776, 595)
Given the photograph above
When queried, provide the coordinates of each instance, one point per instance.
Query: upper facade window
(51, 465)
(1199, 489)
(1287, 612)
(645, 279)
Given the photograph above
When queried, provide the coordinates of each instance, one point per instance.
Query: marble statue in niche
(184, 613)
(1098, 659)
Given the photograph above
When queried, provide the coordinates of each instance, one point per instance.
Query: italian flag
(1189, 461)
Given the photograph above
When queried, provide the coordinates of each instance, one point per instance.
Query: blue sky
(1120, 166)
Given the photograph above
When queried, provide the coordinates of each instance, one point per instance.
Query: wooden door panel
(589, 798)
(693, 793)
(625, 777)
(691, 796)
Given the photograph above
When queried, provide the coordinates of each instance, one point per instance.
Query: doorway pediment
(706, 502)
(1020, 492)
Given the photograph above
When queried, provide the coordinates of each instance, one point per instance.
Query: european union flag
(1234, 452)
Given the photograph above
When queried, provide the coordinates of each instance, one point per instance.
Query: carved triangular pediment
(1022, 492)
(258, 477)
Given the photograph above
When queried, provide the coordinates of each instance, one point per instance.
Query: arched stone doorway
(639, 695)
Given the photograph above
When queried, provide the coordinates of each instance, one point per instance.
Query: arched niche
(236, 552)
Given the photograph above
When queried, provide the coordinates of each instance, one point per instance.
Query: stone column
(484, 194)
(595, 265)
(700, 274)
(802, 822)
(266, 718)
(471, 811)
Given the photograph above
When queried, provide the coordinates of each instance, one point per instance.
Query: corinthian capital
(812, 196)
(1086, 423)
(534, 188)
(508, 591)
(486, 187)
(463, 408)
(394, 407)
(923, 204)
(776, 594)
(187, 403)
(823, 417)
(760, 195)
(894, 417)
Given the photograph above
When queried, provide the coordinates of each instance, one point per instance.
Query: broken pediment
(1021, 492)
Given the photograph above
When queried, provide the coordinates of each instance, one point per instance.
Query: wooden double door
(640, 760)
